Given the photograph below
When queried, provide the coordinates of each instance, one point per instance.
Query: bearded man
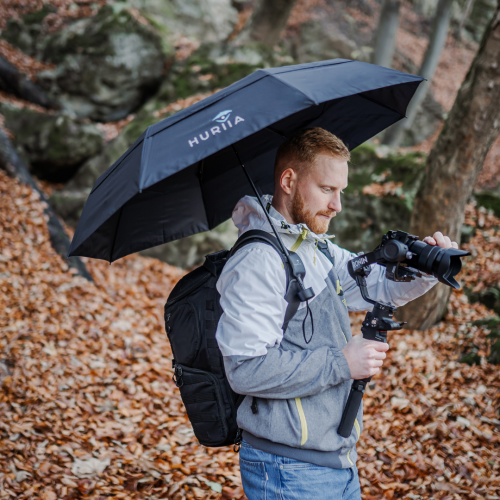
(297, 377)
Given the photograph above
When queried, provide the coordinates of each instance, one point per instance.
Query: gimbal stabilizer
(375, 327)
(397, 250)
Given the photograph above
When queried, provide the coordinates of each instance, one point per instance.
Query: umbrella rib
(200, 177)
(116, 232)
(300, 69)
(117, 163)
(277, 133)
(309, 100)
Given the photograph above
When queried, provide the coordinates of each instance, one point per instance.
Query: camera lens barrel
(443, 263)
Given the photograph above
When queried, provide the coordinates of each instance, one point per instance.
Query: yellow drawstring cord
(302, 236)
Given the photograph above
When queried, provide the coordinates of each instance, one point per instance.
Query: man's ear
(288, 180)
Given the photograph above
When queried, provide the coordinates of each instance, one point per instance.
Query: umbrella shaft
(254, 187)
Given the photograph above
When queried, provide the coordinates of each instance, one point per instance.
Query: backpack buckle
(237, 441)
(177, 376)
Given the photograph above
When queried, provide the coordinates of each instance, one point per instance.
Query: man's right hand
(364, 357)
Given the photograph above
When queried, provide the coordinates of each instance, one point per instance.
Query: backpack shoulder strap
(256, 235)
(323, 248)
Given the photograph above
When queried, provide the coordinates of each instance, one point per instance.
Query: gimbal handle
(376, 324)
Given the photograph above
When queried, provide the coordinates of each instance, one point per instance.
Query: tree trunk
(268, 20)
(387, 28)
(14, 82)
(15, 167)
(455, 162)
(429, 65)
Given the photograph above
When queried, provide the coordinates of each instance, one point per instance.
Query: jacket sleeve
(252, 287)
(379, 287)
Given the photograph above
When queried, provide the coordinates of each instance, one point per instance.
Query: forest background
(88, 406)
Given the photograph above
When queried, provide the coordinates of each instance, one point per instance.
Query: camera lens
(443, 263)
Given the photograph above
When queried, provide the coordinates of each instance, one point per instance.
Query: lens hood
(450, 266)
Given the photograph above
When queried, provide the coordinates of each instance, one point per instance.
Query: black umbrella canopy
(183, 175)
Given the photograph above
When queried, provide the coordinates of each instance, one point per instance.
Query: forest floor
(89, 409)
(88, 406)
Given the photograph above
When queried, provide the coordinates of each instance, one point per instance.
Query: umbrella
(183, 175)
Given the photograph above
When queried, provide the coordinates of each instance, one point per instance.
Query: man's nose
(335, 203)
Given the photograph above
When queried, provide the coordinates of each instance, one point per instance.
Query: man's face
(316, 197)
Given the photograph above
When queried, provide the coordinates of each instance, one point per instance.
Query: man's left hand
(440, 240)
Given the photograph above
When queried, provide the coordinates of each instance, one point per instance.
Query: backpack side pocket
(203, 397)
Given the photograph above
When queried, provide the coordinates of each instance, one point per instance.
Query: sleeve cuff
(342, 367)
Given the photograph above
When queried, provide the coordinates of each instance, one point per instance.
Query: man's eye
(326, 189)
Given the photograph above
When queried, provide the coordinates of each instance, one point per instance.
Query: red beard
(314, 222)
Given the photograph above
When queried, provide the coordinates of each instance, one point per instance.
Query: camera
(405, 257)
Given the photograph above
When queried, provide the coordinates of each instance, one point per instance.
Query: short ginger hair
(301, 149)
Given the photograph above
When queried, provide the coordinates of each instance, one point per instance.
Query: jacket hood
(248, 214)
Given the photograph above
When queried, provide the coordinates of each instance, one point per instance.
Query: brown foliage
(89, 409)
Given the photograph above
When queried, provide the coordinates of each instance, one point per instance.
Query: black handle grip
(352, 407)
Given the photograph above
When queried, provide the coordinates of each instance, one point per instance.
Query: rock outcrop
(318, 40)
(202, 20)
(54, 144)
(106, 65)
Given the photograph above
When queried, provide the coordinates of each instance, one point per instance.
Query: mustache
(328, 213)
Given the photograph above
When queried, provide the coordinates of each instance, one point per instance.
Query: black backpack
(192, 313)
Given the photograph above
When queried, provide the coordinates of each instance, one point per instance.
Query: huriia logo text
(223, 119)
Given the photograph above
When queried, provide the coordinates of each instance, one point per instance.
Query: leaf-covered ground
(88, 408)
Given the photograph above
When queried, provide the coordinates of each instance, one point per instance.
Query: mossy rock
(202, 20)
(365, 218)
(319, 40)
(107, 65)
(211, 67)
(26, 32)
(54, 144)
(69, 204)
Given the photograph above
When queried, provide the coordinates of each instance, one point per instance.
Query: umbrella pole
(304, 294)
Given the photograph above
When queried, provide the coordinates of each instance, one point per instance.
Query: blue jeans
(271, 477)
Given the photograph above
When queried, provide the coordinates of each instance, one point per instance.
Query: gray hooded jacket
(300, 387)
